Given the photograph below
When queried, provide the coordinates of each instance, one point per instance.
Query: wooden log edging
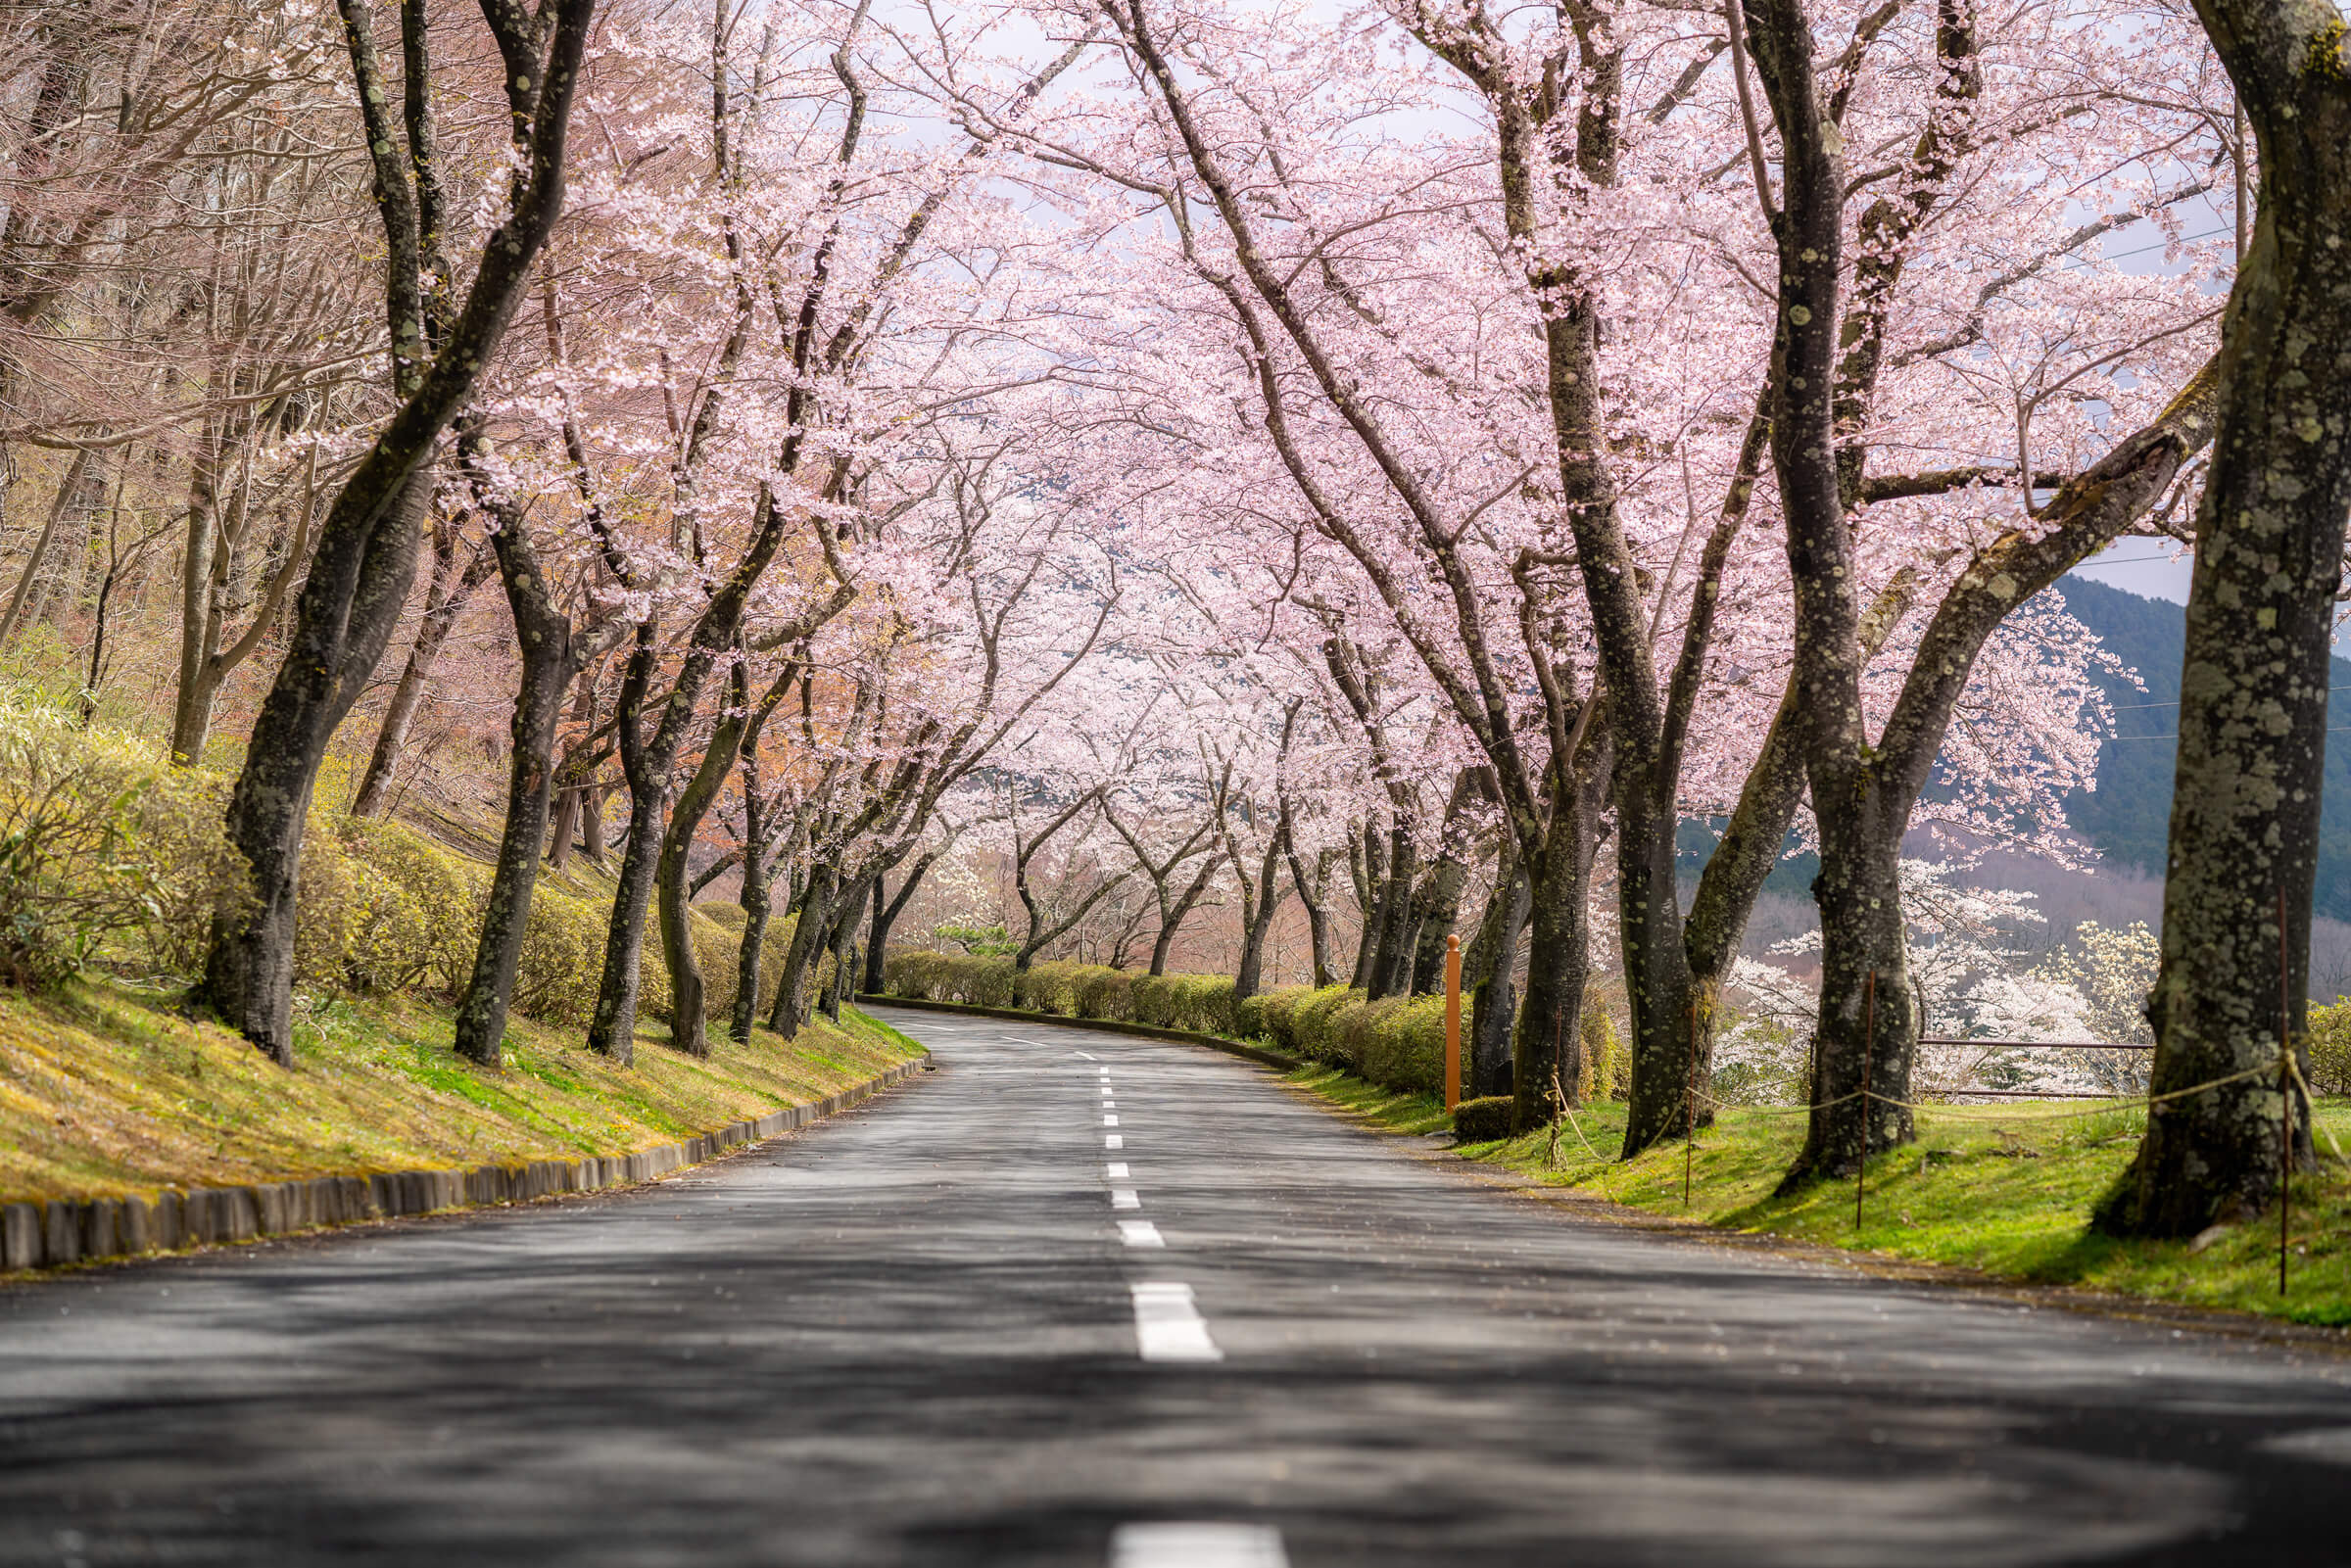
(1264, 1054)
(72, 1230)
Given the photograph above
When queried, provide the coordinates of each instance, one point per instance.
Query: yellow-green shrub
(1404, 1042)
(107, 855)
(2330, 1048)
(1106, 993)
(1201, 1002)
(1050, 987)
(1314, 1025)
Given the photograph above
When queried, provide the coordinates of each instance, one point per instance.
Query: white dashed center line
(1167, 1327)
(1197, 1546)
(1116, 1170)
(1124, 1198)
(1109, 1122)
(1139, 1233)
(1112, 1140)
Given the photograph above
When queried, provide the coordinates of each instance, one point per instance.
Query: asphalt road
(976, 1322)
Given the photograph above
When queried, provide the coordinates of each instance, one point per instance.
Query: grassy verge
(2003, 1189)
(105, 1092)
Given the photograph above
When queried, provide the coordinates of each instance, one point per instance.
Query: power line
(2120, 707)
(2338, 729)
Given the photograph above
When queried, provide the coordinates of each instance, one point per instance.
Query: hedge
(1397, 1042)
(111, 859)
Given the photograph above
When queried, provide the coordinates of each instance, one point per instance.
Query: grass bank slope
(106, 1092)
(2004, 1189)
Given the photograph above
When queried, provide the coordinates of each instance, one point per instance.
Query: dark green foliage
(1486, 1121)
(2129, 815)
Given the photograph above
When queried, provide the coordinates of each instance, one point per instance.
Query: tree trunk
(885, 914)
(1437, 910)
(592, 823)
(612, 1032)
(365, 574)
(2234, 986)
(567, 827)
(807, 939)
(1366, 863)
(445, 600)
(1258, 912)
(199, 625)
(1494, 994)
(1392, 955)
(543, 636)
(1867, 1025)
(844, 940)
(1560, 936)
(687, 1030)
(1310, 892)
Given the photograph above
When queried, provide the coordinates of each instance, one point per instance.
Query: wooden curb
(72, 1230)
(1148, 1031)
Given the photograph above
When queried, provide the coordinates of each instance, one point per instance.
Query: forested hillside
(2128, 816)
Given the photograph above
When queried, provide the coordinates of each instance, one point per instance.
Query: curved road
(989, 1318)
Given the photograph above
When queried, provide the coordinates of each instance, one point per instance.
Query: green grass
(106, 1091)
(2001, 1189)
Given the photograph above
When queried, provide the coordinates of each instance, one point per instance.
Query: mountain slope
(2128, 817)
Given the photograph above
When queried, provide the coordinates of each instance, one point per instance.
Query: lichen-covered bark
(544, 636)
(791, 1008)
(365, 560)
(1486, 966)
(885, 914)
(1558, 934)
(2255, 672)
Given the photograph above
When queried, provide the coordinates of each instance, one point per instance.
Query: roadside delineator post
(1452, 1021)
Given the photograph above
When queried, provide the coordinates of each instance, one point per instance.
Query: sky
(2153, 568)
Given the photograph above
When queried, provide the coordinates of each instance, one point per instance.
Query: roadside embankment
(2004, 1190)
(126, 1127)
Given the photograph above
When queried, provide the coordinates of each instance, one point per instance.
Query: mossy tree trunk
(550, 661)
(1559, 932)
(885, 914)
(365, 559)
(2233, 986)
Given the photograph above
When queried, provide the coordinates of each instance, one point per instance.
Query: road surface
(1077, 1298)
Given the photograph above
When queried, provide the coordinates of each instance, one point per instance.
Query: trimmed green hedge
(1398, 1042)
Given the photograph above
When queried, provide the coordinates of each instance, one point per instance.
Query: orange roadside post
(1452, 1021)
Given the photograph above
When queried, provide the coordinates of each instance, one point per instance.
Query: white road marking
(1110, 1105)
(1167, 1327)
(1116, 1170)
(1124, 1198)
(1139, 1233)
(1112, 1140)
(1109, 1122)
(1090, 1056)
(1197, 1546)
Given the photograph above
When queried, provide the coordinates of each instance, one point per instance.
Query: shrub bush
(1199, 1002)
(1314, 1025)
(1106, 993)
(950, 977)
(2330, 1048)
(107, 855)
(1050, 987)
(1486, 1121)
(1403, 1043)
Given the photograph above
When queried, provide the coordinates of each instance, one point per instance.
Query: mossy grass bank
(2002, 1189)
(106, 1091)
